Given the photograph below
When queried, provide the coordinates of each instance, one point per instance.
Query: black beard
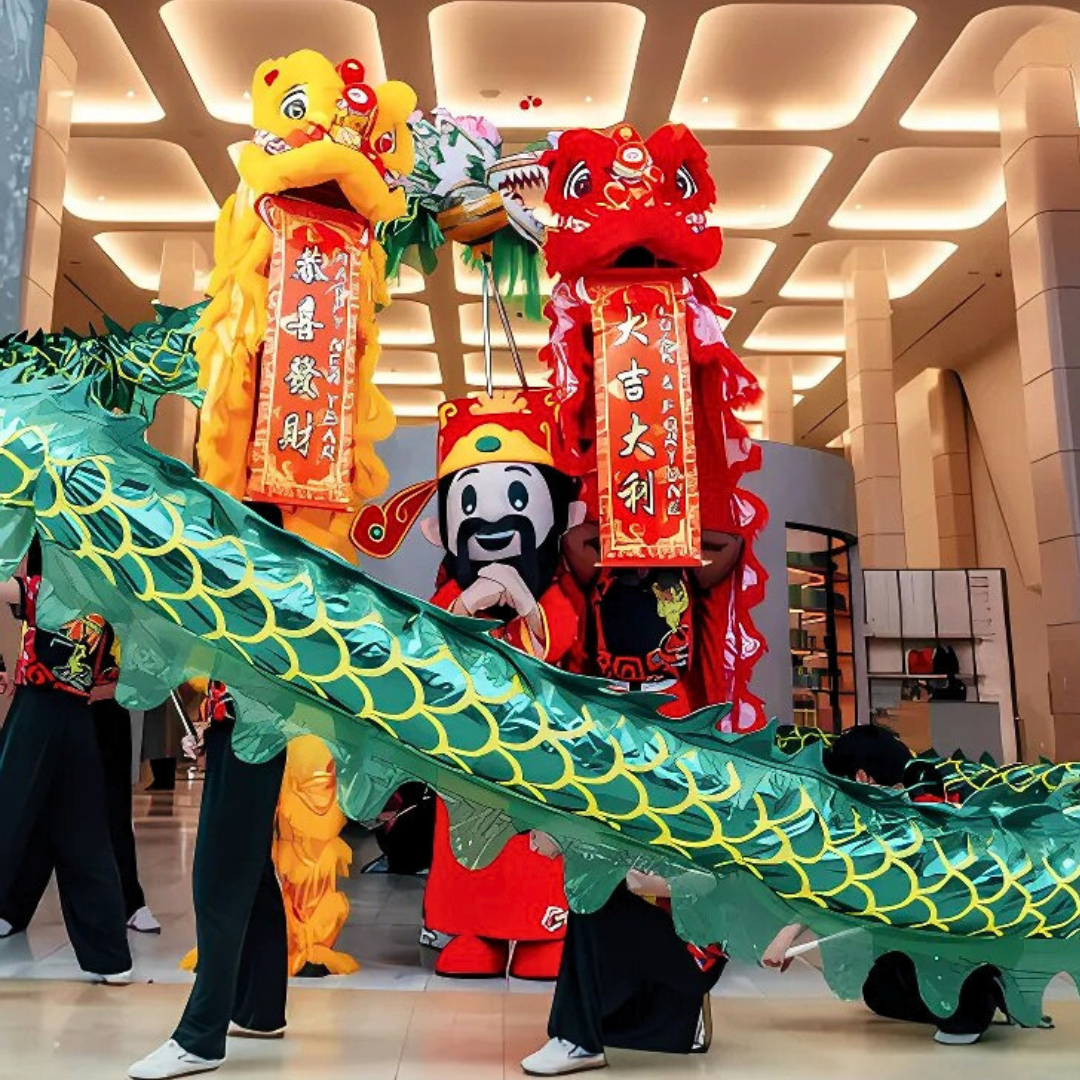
(536, 565)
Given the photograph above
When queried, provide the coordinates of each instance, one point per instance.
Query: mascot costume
(287, 348)
(504, 503)
(649, 390)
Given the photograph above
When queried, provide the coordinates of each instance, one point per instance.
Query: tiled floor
(395, 1020)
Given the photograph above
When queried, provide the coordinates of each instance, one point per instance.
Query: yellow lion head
(319, 124)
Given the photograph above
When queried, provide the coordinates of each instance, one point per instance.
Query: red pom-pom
(538, 101)
(525, 103)
(351, 71)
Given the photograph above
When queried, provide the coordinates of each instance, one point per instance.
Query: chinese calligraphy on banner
(303, 449)
(645, 428)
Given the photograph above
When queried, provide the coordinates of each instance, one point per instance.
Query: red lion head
(626, 202)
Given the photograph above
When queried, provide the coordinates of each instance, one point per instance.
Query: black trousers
(239, 914)
(892, 990)
(112, 727)
(52, 801)
(627, 980)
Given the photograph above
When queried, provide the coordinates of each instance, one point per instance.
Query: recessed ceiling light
(130, 94)
(247, 95)
(588, 99)
(101, 198)
(705, 100)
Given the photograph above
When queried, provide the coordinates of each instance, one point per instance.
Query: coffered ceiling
(828, 125)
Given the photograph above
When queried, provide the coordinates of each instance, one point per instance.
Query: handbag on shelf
(945, 662)
(920, 662)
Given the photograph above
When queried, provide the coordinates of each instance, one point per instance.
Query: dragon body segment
(749, 836)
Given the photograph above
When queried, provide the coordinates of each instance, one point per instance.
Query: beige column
(173, 429)
(779, 408)
(48, 173)
(952, 472)
(1040, 146)
(875, 448)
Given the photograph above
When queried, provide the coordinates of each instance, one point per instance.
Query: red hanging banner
(302, 453)
(647, 471)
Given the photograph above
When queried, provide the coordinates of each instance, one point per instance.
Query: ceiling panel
(407, 282)
(799, 328)
(787, 67)
(135, 180)
(408, 367)
(412, 403)
(528, 333)
(138, 253)
(806, 371)
(763, 187)
(740, 265)
(578, 59)
(222, 42)
(960, 94)
(925, 189)
(109, 87)
(504, 374)
(405, 322)
(908, 264)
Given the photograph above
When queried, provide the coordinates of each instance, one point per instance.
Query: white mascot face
(499, 511)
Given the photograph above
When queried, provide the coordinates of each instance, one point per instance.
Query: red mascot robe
(519, 896)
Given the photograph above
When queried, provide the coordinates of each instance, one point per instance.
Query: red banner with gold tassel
(647, 471)
(302, 454)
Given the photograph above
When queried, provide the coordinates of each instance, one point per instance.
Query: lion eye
(578, 183)
(386, 143)
(294, 104)
(685, 183)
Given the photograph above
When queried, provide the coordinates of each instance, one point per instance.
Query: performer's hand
(517, 593)
(581, 550)
(543, 844)
(484, 593)
(104, 692)
(775, 955)
(192, 745)
(7, 684)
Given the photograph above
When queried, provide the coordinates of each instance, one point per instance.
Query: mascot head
(324, 130)
(623, 202)
(502, 495)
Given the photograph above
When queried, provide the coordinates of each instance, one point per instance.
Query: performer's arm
(722, 552)
(775, 955)
(11, 592)
(581, 550)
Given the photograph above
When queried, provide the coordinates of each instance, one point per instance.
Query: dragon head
(323, 130)
(627, 202)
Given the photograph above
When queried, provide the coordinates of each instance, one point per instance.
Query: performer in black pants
(243, 961)
(243, 951)
(112, 728)
(52, 791)
(626, 980)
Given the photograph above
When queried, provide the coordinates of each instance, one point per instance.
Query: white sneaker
(121, 978)
(6, 929)
(559, 1057)
(143, 922)
(946, 1039)
(236, 1031)
(169, 1060)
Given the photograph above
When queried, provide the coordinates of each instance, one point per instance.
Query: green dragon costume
(749, 836)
